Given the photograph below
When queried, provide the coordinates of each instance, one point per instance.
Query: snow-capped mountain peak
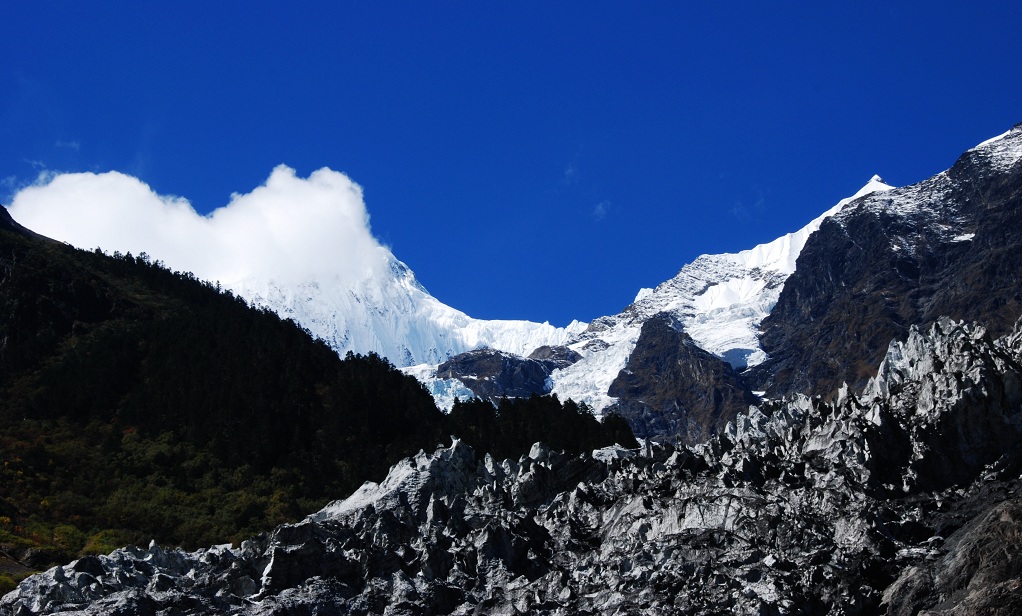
(720, 301)
(1002, 151)
(780, 254)
(395, 317)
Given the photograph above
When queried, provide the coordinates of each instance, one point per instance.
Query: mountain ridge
(895, 491)
(719, 298)
(817, 307)
(396, 318)
(722, 301)
(948, 245)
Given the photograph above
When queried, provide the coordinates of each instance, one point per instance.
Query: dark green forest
(140, 403)
(509, 429)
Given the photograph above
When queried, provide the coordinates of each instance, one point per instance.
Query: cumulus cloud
(290, 229)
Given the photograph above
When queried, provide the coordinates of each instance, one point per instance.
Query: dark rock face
(673, 390)
(491, 374)
(562, 355)
(951, 245)
(978, 573)
(900, 499)
(7, 223)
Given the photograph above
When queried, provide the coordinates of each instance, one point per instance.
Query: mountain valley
(828, 424)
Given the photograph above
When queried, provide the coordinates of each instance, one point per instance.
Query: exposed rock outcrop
(890, 500)
(492, 374)
(950, 245)
(673, 390)
(979, 570)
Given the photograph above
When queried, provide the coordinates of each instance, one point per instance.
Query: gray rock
(899, 498)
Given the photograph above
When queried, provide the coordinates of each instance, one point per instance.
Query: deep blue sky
(527, 160)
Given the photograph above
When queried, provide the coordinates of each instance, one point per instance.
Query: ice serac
(395, 317)
(903, 499)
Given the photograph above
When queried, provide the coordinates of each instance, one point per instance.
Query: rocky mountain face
(897, 499)
(490, 374)
(950, 245)
(717, 300)
(814, 309)
(671, 389)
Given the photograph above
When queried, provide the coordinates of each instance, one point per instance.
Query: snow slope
(395, 317)
(301, 247)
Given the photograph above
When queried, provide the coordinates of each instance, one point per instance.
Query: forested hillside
(138, 403)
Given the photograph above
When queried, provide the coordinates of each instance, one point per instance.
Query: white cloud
(69, 145)
(290, 229)
(601, 210)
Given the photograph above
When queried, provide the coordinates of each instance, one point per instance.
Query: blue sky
(540, 161)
